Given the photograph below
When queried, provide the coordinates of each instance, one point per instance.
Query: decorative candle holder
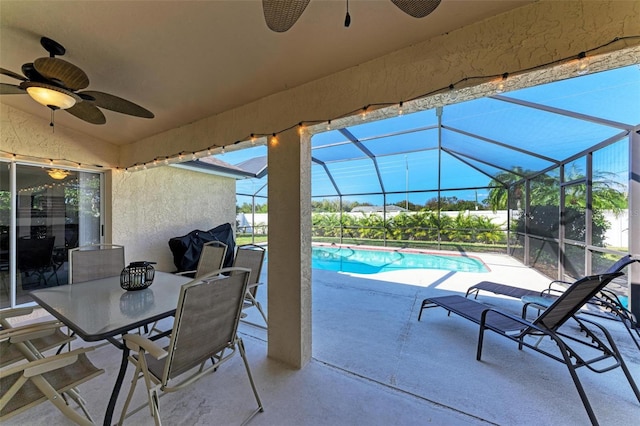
(137, 276)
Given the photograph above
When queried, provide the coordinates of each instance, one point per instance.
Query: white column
(289, 271)
(634, 222)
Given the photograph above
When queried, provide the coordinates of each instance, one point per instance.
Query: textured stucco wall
(151, 206)
(27, 135)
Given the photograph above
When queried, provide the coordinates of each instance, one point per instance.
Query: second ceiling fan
(281, 15)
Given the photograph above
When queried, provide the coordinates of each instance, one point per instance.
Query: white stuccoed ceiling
(185, 60)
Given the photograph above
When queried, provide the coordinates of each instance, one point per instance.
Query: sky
(478, 137)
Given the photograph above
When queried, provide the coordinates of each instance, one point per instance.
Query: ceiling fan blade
(56, 69)
(87, 112)
(417, 8)
(12, 74)
(11, 89)
(280, 15)
(117, 104)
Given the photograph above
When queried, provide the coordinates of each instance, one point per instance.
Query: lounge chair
(572, 347)
(204, 330)
(608, 304)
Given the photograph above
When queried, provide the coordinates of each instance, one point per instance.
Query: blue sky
(611, 95)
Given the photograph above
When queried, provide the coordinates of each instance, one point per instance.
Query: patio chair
(592, 346)
(35, 256)
(607, 302)
(251, 256)
(95, 261)
(43, 336)
(205, 329)
(211, 259)
(54, 378)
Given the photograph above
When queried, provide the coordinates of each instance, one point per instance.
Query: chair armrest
(250, 286)
(562, 284)
(185, 272)
(523, 321)
(16, 312)
(136, 341)
(34, 368)
(30, 331)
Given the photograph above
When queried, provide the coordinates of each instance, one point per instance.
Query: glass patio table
(101, 310)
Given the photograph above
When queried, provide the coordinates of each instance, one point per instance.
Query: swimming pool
(363, 261)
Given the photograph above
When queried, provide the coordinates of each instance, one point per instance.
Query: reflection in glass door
(43, 213)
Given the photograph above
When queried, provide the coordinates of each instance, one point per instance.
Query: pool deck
(375, 364)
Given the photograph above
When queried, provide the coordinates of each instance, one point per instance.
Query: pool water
(361, 261)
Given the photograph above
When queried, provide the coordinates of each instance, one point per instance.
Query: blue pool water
(361, 261)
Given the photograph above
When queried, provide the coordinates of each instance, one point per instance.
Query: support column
(634, 222)
(289, 272)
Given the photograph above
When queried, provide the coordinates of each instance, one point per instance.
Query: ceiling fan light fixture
(58, 174)
(50, 96)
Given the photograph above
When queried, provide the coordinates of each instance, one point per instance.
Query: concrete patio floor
(375, 364)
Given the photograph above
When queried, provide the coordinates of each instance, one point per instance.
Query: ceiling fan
(280, 15)
(55, 83)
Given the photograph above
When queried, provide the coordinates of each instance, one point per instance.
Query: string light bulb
(274, 140)
(400, 108)
(583, 63)
(364, 112)
(502, 83)
(253, 139)
(166, 160)
(222, 149)
(300, 128)
(329, 125)
(453, 93)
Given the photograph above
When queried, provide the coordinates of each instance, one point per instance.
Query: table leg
(108, 415)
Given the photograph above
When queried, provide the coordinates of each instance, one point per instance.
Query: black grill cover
(186, 249)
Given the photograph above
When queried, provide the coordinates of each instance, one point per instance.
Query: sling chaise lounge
(606, 301)
(592, 346)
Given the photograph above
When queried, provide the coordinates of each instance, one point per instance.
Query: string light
(300, 128)
(222, 151)
(453, 93)
(583, 63)
(501, 84)
(193, 156)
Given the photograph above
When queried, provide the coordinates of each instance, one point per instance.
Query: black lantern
(137, 276)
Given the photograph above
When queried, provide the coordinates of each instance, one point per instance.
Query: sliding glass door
(43, 213)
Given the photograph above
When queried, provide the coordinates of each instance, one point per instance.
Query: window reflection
(54, 212)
